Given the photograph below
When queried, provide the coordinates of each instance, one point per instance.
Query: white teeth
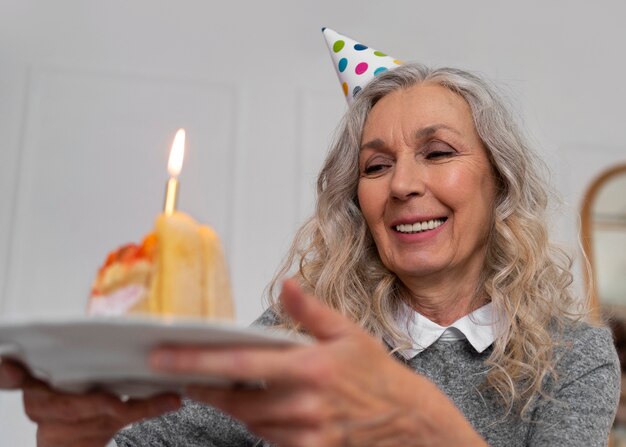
(419, 226)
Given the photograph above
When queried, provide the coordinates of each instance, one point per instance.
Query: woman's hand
(344, 390)
(77, 420)
(12, 376)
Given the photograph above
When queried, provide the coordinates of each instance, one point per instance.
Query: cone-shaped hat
(356, 64)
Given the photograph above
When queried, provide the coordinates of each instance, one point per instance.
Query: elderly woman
(441, 312)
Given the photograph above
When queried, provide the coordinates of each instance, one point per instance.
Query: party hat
(356, 64)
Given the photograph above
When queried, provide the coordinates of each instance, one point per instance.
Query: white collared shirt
(478, 327)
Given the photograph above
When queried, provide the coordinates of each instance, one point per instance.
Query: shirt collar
(478, 327)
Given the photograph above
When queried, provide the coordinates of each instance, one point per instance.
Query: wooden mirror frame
(586, 235)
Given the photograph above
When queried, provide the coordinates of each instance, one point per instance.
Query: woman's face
(426, 187)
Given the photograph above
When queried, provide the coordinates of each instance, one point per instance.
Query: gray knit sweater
(580, 412)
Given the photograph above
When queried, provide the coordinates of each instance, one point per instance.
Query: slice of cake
(179, 269)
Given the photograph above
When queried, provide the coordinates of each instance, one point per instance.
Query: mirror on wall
(603, 220)
(609, 241)
(603, 233)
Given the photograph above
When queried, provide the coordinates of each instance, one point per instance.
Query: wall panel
(265, 197)
(93, 172)
(320, 113)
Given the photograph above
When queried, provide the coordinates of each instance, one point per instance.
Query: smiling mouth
(420, 227)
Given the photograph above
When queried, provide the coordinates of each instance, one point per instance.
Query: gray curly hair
(525, 276)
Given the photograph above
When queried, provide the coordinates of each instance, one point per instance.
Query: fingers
(75, 420)
(294, 407)
(321, 321)
(12, 376)
(238, 364)
(284, 415)
(43, 405)
(95, 432)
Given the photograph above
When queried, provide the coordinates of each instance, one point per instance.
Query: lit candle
(174, 166)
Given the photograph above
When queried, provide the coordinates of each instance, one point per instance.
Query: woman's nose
(408, 180)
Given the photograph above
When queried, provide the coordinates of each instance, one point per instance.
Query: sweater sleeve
(582, 405)
(194, 425)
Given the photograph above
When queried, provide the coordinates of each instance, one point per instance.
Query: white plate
(81, 353)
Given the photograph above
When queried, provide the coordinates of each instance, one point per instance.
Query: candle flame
(175, 163)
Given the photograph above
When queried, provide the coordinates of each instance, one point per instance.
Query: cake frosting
(179, 269)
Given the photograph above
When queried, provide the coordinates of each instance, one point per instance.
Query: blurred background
(92, 93)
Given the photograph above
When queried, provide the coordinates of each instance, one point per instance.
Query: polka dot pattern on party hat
(343, 63)
(356, 64)
(338, 45)
(361, 68)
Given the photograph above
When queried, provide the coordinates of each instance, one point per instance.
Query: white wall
(91, 93)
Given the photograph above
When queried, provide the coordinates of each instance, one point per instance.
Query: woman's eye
(438, 154)
(375, 168)
(437, 150)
